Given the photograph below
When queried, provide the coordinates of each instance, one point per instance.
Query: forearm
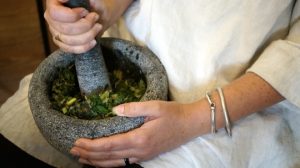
(111, 10)
(244, 96)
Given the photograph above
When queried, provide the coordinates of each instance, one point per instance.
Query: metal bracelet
(212, 106)
(224, 109)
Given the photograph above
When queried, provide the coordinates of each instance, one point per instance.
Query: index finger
(61, 13)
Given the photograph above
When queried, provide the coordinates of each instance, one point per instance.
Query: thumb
(138, 109)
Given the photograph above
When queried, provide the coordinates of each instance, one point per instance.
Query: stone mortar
(61, 131)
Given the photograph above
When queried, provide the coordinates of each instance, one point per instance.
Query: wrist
(199, 114)
(197, 117)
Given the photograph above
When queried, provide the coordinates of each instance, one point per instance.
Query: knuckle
(82, 26)
(107, 156)
(157, 106)
(107, 146)
(86, 47)
(63, 28)
(127, 108)
(66, 40)
(133, 108)
(70, 49)
(84, 154)
(79, 49)
(70, 40)
(141, 141)
(89, 37)
(65, 49)
(74, 30)
(58, 44)
(52, 13)
(66, 28)
(88, 25)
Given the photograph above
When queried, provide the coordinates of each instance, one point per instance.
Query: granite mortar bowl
(61, 131)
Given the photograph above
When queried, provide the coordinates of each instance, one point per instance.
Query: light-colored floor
(21, 44)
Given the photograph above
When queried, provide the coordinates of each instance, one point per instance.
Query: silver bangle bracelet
(224, 109)
(212, 106)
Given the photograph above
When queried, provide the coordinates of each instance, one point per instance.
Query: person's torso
(203, 44)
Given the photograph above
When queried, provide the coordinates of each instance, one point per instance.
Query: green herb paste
(66, 97)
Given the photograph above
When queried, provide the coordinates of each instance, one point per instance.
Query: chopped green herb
(66, 97)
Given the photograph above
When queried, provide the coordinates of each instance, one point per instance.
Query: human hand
(73, 30)
(165, 128)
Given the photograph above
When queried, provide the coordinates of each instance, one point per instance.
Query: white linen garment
(204, 44)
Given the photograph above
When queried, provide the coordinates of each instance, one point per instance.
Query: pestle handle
(78, 3)
(90, 66)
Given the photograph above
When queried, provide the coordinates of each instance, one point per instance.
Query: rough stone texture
(91, 71)
(60, 130)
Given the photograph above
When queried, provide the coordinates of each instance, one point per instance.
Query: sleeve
(279, 64)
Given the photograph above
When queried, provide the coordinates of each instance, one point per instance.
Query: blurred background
(23, 42)
(23, 45)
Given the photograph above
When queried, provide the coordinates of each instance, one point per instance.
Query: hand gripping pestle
(90, 66)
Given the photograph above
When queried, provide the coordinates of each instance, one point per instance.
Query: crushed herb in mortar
(66, 97)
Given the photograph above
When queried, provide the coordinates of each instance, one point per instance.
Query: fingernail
(74, 152)
(77, 143)
(118, 110)
(99, 26)
(93, 43)
(84, 12)
(96, 18)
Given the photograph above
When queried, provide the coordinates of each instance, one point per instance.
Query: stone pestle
(90, 66)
